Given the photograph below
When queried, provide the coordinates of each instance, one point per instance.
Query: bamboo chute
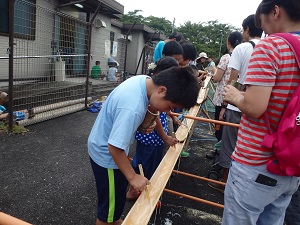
(10, 220)
(144, 206)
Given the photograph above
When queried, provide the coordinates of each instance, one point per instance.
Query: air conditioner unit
(121, 36)
(99, 23)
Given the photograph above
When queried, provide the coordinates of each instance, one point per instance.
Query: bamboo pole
(48, 108)
(52, 114)
(203, 91)
(10, 220)
(58, 105)
(199, 177)
(207, 120)
(194, 198)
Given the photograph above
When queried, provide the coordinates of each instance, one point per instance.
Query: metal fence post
(11, 65)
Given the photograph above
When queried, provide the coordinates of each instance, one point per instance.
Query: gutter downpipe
(11, 66)
(124, 71)
(90, 24)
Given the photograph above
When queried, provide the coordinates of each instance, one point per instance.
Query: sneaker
(217, 187)
(184, 154)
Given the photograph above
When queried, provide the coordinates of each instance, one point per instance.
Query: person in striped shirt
(252, 194)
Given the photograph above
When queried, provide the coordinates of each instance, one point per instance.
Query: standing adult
(222, 75)
(201, 60)
(238, 63)
(253, 195)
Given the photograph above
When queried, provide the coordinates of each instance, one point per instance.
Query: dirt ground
(46, 178)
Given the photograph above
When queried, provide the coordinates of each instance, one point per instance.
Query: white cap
(202, 55)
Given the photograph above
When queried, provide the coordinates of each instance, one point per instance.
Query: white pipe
(51, 114)
(58, 105)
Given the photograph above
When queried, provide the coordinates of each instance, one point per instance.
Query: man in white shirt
(238, 63)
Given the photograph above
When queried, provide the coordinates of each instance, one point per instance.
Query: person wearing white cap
(201, 60)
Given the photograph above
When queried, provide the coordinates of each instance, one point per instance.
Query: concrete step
(30, 95)
(103, 89)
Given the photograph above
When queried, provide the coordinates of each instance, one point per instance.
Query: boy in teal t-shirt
(96, 70)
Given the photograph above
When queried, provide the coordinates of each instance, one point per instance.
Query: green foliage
(157, 23)
(16, 129)
(131, 17)
(209, 37)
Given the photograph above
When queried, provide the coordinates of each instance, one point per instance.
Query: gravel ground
(46, 178)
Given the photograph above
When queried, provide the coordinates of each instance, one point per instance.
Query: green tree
(209, 37)
(159, 23)
(132, 17)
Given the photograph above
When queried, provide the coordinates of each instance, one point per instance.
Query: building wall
(40, 46)
(39, 55)
(101, 41)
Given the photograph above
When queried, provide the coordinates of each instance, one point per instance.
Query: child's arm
(166, 138)
(137, 181)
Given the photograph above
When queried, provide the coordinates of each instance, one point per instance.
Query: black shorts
(111, 189)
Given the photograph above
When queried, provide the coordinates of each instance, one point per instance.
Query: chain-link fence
(48, 55)
(50, 61)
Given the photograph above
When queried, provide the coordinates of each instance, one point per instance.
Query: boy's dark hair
(249, 22)
(164, 63)
(235, 38)
(172, 48)
(176, 35)
(181, 83)
(189, 51)
(97, 63)
(292, 8)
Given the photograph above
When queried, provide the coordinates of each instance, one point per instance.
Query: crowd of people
(255, 75)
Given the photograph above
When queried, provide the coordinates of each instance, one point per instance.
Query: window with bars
(112, 38)
(24, 18)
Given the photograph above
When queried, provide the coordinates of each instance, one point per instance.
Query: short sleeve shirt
(121, 114)
(218, 97)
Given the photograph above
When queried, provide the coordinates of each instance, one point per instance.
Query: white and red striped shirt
(272, 64)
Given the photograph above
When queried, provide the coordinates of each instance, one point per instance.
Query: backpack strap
(294, 44)
(252, 43)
